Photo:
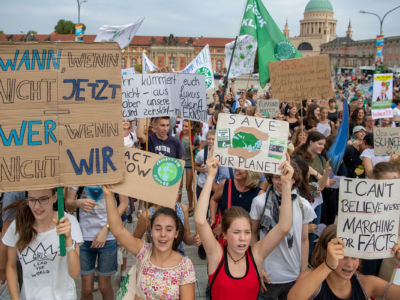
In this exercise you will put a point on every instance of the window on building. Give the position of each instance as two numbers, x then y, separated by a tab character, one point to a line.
305	46
219	66
172	62
134	62
123	63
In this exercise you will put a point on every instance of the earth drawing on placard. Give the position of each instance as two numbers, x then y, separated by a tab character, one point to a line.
167	171
247	142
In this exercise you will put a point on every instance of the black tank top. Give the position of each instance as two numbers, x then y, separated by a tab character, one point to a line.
357	291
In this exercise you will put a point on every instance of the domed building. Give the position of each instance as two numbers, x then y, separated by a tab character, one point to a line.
317	27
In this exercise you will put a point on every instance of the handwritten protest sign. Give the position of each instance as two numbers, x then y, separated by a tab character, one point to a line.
386	140
157	176
60	114
268	107
368	219
301	78
250	143
382	96
170	94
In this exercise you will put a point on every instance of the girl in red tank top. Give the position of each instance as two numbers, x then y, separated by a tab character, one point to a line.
224	286
233	269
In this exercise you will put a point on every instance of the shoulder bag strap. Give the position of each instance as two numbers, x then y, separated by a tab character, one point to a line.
229	193
146	257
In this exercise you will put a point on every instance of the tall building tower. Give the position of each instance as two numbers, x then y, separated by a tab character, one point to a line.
286	30
349	32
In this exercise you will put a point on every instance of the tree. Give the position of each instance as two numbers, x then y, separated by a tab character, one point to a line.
66	27
33	32
138	68
1	32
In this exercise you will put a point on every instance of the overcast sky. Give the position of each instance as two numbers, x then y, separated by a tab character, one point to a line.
211	18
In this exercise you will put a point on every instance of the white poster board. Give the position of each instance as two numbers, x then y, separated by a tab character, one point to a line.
382	96
251	143
268	108
164	94
368	218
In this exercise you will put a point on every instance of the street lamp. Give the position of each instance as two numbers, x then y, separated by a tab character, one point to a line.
380	19
79	9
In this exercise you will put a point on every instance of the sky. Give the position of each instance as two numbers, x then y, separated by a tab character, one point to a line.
208	18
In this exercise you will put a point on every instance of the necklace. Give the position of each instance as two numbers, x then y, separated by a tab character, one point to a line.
235	261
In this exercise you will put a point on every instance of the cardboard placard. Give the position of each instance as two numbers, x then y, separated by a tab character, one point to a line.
301	78
386	140
164	94
251	143
151	177
60	115
268	108
368	218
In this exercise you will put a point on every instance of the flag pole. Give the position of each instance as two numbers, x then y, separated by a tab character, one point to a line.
227	75
60	208
192	160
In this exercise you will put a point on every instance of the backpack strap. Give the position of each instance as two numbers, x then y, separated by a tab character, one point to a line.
301	206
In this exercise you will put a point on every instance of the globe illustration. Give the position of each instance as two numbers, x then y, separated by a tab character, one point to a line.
167	171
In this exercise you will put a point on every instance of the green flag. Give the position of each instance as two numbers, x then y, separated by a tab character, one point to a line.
272	44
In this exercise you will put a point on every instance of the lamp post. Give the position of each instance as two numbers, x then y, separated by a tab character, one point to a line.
380	19
79	9
379	68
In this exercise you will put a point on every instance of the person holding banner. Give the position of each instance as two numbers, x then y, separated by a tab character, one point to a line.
233	270
169	274
334	276
33	238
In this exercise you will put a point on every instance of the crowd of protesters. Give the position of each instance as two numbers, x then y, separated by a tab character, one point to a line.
265	236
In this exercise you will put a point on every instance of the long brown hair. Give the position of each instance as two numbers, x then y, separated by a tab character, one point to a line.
321	249
311	119
24	221
302	151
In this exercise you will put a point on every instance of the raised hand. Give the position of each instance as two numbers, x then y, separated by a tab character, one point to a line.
335	252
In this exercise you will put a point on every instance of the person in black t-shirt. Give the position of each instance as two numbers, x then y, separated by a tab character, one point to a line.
161	143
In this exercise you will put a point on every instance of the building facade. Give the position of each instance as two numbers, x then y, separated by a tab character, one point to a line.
176	52
345	52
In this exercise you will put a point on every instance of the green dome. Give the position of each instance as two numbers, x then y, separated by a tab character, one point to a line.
319	5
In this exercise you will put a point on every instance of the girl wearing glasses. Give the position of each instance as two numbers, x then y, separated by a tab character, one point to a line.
33	238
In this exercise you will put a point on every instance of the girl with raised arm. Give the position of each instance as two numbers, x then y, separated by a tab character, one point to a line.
169	275
335	276
233	269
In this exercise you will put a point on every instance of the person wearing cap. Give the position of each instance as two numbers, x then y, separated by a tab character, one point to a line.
354	148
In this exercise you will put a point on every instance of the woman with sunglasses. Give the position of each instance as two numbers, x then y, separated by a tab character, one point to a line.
33	237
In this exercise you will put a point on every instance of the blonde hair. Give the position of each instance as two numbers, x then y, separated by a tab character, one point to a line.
252	179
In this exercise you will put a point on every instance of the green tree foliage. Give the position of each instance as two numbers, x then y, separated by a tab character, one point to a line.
33	32
138	68
1	32
66	27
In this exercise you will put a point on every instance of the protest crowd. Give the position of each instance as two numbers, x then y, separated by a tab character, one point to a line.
265	236
312	215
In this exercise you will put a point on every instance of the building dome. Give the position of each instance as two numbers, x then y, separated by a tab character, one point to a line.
319	5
